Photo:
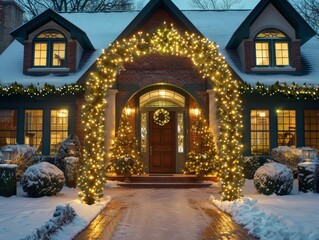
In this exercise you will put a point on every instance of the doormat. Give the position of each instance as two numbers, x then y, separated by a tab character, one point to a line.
164	175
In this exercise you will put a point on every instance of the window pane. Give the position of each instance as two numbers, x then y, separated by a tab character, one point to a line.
40	54
286	128
59	128
311	120
262	54
259	135
33	128
180	132
143	132
58	54
282	54
8	127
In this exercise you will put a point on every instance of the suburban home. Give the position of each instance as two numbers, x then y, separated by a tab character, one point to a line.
271	51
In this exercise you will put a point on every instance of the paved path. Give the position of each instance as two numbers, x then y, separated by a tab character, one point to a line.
162	214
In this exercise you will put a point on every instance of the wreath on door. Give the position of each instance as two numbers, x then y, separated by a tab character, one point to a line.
161	117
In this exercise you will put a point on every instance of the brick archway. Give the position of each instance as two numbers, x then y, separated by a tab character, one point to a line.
206	59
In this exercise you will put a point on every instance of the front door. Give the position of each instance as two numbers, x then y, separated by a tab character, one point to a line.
162	145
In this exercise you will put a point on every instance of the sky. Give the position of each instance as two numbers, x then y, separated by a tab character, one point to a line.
186	4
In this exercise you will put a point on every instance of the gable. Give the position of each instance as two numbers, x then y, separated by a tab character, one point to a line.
154	14
303	31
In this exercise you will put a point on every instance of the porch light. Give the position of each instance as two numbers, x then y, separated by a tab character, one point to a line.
196	112
7	154
309	155
71	149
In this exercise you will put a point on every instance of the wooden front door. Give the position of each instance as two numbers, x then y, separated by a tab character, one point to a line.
162	145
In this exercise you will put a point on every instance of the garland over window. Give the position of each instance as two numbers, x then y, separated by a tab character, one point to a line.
161	117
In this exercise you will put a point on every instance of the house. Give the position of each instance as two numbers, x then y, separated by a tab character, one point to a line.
271	51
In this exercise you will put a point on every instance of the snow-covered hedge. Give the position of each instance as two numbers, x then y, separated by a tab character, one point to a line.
64	150
289	156
251	164
274	178
42	179
62	215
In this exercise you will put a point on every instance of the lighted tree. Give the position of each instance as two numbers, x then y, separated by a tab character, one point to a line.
203	159
124	154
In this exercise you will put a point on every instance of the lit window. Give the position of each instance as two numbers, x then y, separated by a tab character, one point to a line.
49	50
272	49
59	128
8	127
33	128
311	119
259	135
143	132
180	132
286	128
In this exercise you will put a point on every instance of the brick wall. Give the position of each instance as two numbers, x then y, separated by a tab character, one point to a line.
249	55
27	63
79	130
71	55
296	55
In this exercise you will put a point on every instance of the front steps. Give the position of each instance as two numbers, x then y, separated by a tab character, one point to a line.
163	181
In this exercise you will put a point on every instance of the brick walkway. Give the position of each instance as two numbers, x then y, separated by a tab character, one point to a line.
219	224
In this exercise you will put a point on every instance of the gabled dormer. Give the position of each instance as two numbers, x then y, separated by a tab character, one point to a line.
52	44
270	38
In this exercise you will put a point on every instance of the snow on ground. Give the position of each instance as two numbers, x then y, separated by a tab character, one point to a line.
20	215
160	214
293	217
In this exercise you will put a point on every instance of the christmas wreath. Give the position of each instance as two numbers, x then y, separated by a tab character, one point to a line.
161	117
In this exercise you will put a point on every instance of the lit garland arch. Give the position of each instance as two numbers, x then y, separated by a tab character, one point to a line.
210	64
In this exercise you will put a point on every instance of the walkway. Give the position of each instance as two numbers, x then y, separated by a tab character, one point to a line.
162	214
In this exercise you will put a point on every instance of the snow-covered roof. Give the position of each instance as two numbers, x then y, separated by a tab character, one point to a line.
103	28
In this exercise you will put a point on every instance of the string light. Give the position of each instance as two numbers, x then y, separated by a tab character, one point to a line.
207	61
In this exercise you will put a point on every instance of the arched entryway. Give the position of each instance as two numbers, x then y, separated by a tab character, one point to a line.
206	59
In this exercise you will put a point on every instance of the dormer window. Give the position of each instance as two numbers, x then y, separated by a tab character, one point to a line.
272	49
49	50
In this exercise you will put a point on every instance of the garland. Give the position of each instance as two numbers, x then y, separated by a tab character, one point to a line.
305	92
16	89
161	117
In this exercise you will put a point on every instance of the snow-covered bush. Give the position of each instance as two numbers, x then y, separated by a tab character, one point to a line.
289	156
42	179
62	215
23	158
273	178
252	163
64	150
71	169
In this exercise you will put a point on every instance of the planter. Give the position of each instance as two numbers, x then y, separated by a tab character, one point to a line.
8	180
308	177
71	171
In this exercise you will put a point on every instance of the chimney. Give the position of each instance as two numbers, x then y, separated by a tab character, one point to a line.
11	17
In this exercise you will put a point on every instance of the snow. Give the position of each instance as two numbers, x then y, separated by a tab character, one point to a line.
293	216
27	214
108	26
8	166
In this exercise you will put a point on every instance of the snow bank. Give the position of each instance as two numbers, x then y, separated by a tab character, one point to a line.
273	217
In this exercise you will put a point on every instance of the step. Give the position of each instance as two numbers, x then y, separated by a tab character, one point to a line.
164	185
161	178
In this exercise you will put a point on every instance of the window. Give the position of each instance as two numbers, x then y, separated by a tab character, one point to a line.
272	49
8	127
143	132
259	135
311	119
49	49
59	128
180	132
286	128
33	128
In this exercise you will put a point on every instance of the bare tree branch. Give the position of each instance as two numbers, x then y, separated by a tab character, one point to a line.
309	9
215	4
34	7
